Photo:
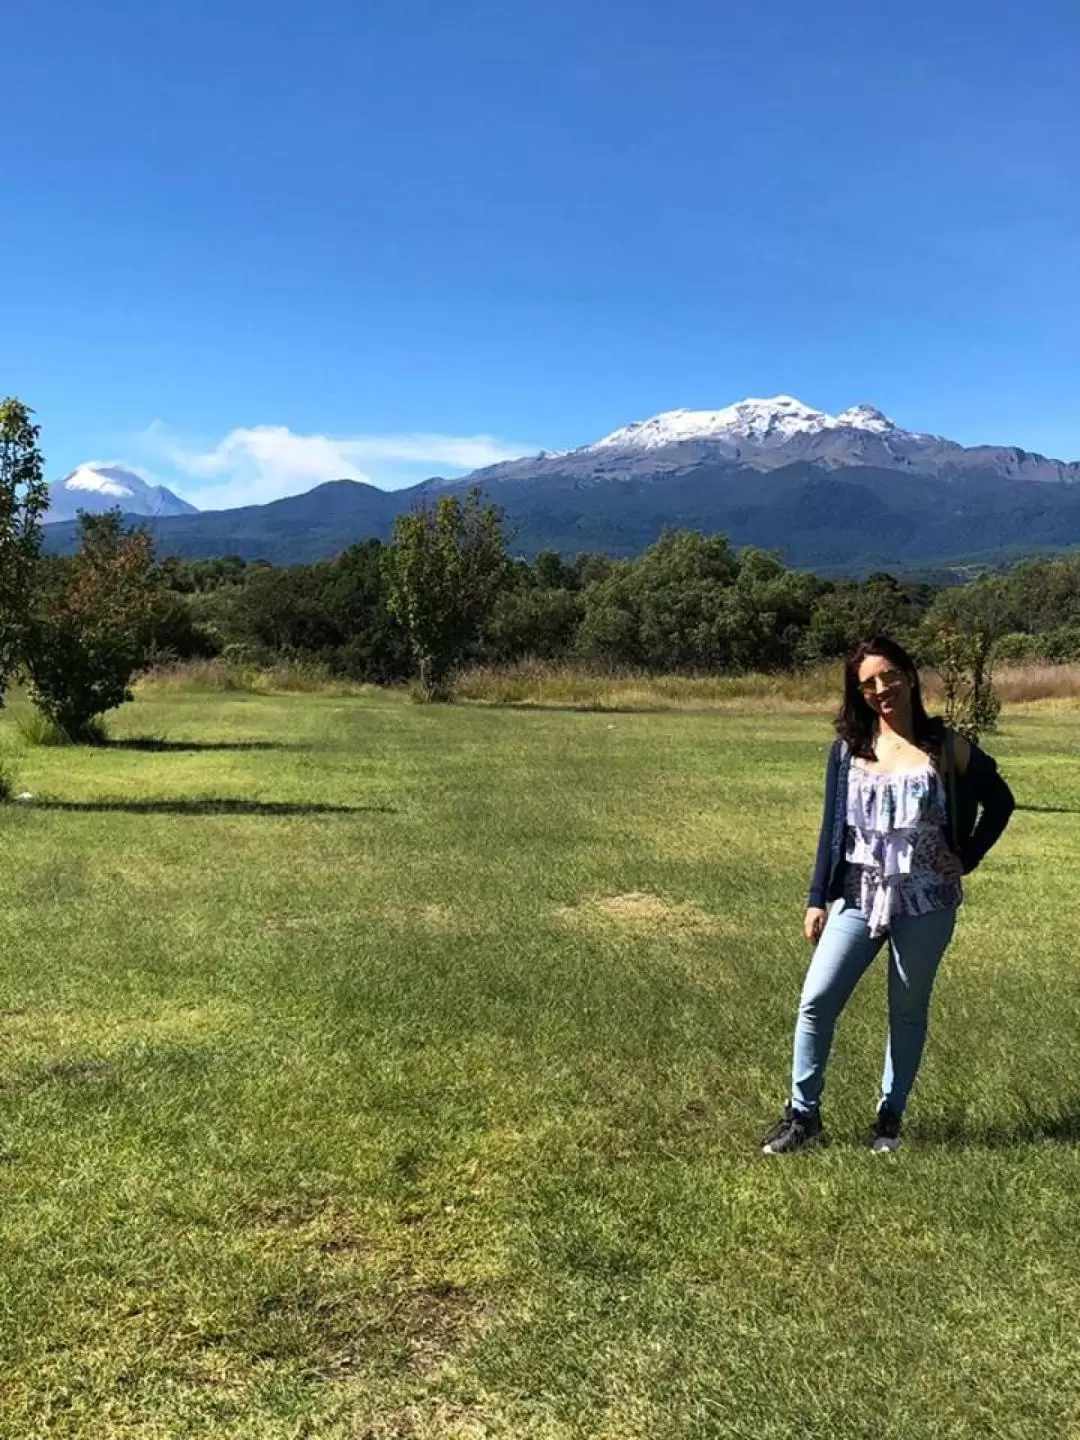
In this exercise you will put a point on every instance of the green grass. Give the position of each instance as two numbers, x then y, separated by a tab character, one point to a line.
428	1107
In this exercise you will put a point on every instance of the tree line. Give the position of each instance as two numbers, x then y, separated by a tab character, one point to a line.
447	592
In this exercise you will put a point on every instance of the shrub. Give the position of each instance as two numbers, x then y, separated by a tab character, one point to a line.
36	728
93	626
9	779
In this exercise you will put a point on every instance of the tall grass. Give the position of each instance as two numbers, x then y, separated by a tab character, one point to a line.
227	675
1022	684
566	686
570	687
34	728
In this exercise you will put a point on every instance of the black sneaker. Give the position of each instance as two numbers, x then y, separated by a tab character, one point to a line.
779	1128
795	1132
885	1136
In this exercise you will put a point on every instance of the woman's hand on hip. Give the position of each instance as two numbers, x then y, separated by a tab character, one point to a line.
949	865
814	924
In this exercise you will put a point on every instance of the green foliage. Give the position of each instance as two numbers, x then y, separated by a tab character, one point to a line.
92	625
961	630
9	778
37	729
1058	646
445	568
336	612
850	612
689	604
24	498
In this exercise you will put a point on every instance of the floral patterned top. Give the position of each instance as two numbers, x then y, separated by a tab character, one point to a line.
895	838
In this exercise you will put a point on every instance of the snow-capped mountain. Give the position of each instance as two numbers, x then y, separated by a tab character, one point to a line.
97	488
761	423
769	434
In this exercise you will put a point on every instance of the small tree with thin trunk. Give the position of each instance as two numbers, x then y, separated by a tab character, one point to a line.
24	499
961	629
93	624
445	566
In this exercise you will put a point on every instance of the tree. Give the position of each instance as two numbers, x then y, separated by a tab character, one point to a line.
660	612
445	567
285	610
961	629
92	625
849	612
24	499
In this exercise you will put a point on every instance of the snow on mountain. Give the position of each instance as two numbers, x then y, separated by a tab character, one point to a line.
97	488
770	434
762	423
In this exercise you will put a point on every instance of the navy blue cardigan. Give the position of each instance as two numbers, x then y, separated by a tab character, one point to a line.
983	805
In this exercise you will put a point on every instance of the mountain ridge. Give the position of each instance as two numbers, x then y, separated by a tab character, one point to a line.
846	492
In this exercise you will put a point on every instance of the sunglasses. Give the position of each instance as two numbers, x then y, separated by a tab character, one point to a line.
885	680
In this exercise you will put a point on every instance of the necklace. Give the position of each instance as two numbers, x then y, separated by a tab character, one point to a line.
891	746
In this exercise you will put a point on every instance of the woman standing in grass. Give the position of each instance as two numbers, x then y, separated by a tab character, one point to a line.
910	807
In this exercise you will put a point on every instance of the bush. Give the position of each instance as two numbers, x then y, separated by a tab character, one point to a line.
38	729
9	779
93	626
1016	648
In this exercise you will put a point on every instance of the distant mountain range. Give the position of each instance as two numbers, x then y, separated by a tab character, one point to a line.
839	493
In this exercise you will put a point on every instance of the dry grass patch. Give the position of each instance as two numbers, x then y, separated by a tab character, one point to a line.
1021	684
431	919
570	687
640	911
438	1421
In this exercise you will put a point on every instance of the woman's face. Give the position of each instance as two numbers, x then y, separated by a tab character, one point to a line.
885	687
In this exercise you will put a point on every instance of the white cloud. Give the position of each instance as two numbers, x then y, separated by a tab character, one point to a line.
257	463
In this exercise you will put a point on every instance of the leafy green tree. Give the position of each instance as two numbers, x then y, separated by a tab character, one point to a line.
960	632
532	622
285	611
690	604
445	567
849	611
372	644
765	614
659	612
92	626
24	499
1046	592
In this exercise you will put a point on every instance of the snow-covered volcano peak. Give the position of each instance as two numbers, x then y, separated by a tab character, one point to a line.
761	423
765	421
97	488
109	480
865	417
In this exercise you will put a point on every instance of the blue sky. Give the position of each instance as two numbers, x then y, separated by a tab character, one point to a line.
246	243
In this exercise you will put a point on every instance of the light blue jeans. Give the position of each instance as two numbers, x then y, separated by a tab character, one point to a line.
844	952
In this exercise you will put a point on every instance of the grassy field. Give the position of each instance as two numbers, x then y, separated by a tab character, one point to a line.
372	1070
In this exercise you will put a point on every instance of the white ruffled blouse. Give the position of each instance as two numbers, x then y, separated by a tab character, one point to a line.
896	827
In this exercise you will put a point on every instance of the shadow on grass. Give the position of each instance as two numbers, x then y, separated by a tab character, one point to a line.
1061	1129
1050	809
207	807
588	707
151	742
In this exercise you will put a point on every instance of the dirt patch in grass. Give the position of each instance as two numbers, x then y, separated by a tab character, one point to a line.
314	1225
643	912
442	1421
440	1319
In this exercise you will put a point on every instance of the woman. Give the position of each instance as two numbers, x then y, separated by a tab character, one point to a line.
902	795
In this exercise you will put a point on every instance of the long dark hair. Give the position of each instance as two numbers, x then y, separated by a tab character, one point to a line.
856	722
